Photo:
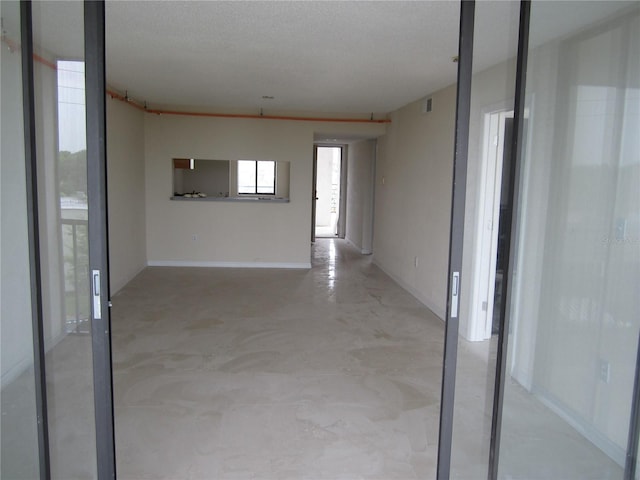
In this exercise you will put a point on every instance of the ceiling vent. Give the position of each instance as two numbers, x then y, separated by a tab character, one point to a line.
427	105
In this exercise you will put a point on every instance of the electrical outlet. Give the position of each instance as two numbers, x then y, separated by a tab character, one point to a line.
605	371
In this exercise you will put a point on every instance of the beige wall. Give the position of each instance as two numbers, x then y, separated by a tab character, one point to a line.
125	177
232	233
413	198
51	263
360	171
16	353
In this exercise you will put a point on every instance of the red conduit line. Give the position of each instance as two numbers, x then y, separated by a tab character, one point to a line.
45	62
127	100
16	46
267	117
122	98
134	104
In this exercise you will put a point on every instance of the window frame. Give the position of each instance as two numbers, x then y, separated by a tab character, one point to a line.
255	183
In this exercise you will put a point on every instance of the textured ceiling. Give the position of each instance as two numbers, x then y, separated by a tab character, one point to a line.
308	55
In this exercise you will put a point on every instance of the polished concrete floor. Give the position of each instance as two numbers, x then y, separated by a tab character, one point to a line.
322	374
327	373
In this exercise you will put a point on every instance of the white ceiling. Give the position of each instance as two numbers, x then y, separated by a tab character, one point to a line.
352	57
309	55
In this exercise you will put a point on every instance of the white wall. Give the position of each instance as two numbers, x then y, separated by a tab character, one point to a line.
414	168
360	178
225	232
125	177
15	287
46	99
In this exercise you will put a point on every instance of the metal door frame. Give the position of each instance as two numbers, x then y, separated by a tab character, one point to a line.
458	198
94	39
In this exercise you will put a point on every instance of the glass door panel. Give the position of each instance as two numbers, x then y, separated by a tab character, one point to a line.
495	41
575	314
58	32
19	452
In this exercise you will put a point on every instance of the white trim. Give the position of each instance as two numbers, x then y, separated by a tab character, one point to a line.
486	221
363	251
187	263
419	296
123	283
23	365
16	370
583	427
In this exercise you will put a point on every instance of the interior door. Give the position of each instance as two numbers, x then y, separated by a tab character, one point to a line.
68	139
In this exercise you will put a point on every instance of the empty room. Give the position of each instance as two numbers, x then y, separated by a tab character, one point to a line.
320	240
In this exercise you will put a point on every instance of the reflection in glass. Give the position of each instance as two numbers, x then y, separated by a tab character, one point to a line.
19	437
492	94
63	211
575	313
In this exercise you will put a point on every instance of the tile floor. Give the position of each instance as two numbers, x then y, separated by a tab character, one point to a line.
327	373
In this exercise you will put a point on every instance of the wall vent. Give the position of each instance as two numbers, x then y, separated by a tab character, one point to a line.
427	105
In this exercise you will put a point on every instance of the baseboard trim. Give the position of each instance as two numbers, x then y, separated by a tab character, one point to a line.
363	251
593	435
183	263
438	312
23	365
15	371
116	288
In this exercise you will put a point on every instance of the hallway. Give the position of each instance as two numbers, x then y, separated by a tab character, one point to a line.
332	372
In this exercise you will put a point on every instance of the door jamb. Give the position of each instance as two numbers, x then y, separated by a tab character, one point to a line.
31	169
481	307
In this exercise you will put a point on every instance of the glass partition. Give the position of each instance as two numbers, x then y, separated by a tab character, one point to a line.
59	70
488	163
575	310
19	455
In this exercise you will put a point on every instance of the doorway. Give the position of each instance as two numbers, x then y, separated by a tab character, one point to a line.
328	221
488	277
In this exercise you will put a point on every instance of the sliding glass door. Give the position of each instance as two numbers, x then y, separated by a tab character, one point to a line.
56	380
548	386
18	396
61	152
574	314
